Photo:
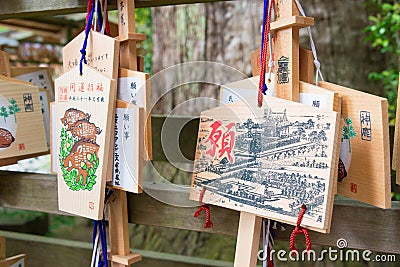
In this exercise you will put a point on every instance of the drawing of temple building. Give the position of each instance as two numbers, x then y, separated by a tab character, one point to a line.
275	156
276	124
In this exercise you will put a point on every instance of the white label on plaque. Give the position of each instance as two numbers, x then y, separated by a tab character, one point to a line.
132	90
39	79
125	175
245	89
46	115
314	100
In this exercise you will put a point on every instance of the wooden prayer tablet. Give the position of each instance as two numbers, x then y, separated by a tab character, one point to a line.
84	118
134	87
395	163
15	261
39	76
268	161
53	140
102	53
310	94
44	96
128	147
306	64
21	123
368	179
4	64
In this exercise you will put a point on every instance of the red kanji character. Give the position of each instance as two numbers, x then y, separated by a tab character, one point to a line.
228	141
81	88
100	87
21	146
214	137
62	93
91	205
353	187
72	87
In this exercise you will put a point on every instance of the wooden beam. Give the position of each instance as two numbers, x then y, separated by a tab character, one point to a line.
78	253
28	8
363	226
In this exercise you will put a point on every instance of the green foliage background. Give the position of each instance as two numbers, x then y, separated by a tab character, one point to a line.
384	34
144	24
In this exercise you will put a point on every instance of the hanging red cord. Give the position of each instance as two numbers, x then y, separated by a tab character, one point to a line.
89	7
107	23
206	208
300	230
264	55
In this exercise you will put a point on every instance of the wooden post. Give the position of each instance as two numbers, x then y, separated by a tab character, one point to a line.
2	248
396	157
306	57
118	208
248	234
126	25
287	67
307	71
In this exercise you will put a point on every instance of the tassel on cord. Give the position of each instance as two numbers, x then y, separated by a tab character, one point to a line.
206	208
300	230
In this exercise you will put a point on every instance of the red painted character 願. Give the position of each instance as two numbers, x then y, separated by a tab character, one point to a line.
222	142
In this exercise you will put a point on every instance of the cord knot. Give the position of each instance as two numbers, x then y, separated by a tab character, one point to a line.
206	209
317	64
300	230
83	53
270	63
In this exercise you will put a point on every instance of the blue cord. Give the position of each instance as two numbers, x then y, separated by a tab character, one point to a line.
99	17
266	3
87	30
100	226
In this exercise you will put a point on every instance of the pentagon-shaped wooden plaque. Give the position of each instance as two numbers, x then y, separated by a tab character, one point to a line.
84	118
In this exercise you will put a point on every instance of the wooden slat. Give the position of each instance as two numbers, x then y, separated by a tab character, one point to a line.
28	8
187	138
77	253
363	226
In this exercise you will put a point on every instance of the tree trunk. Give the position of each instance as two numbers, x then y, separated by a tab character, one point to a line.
340	39
227	32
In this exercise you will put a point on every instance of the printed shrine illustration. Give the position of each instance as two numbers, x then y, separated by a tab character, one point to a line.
268	161
8	112
79	150
21	123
